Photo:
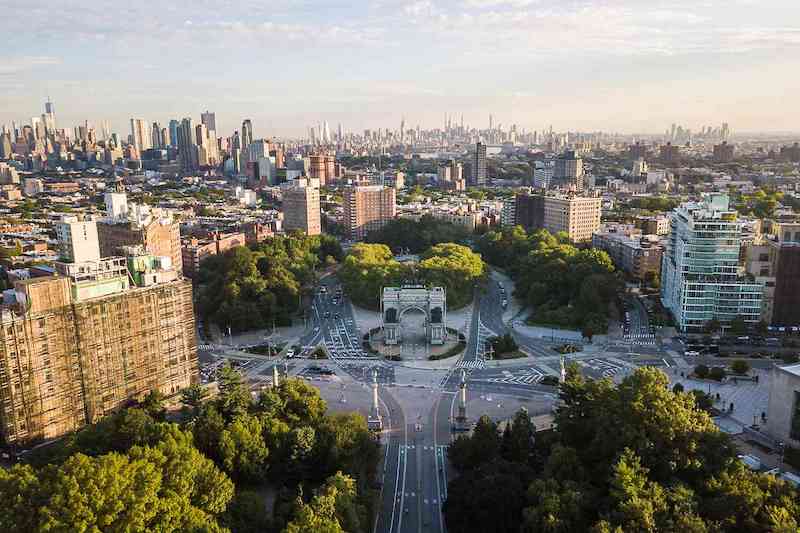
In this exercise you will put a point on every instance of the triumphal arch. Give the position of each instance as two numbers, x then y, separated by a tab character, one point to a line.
395	301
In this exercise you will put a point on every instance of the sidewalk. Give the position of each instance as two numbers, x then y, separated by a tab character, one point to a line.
749	399
258	336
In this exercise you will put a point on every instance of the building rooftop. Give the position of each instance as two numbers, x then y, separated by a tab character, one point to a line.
791	369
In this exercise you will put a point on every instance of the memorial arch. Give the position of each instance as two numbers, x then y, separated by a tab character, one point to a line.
395	301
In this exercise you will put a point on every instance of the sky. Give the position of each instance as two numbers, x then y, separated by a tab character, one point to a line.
634	66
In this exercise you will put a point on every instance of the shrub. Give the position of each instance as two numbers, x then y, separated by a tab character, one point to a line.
740	367
549	380
678	387
701	371
790	358
702	400
717	373
791	456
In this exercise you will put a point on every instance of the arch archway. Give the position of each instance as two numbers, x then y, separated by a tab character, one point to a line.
396	301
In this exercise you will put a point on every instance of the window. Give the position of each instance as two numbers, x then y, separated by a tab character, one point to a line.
794	429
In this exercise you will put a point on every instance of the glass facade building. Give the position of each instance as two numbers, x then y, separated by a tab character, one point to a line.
700	275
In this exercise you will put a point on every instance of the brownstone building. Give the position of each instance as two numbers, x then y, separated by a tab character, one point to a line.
195	250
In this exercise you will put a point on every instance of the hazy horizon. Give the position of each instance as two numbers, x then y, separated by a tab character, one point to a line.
580	65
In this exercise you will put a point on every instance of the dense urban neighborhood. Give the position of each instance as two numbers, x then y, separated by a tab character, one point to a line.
464	329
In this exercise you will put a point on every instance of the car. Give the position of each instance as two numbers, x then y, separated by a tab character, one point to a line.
753	463
504	303
338	315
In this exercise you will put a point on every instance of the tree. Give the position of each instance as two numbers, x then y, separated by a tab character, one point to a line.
662	465
489	498
701	371
153	405
482	447
455	267
517	441
652	279
169	487
242	448
716	373
677	388
192	397
738	326
712	326
234	397
703	401
740	367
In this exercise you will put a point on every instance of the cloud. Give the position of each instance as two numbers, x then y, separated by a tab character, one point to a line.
16	65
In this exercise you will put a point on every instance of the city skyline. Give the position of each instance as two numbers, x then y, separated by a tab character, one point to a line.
288	65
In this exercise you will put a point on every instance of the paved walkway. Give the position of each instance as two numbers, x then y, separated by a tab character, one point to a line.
749	399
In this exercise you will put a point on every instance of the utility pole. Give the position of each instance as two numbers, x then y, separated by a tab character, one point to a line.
275	380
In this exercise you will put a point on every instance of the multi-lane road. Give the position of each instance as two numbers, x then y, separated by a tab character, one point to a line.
418	414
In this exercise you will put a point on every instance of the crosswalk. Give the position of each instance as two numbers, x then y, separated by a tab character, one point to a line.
606	368
643	339
206	347
528	377
475	364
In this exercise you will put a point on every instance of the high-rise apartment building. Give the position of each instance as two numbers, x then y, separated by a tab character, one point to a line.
568	171
301	207
775	260
80	344
478	176
368	208
140	133
700	274
65	363
322	167
543	174
578	216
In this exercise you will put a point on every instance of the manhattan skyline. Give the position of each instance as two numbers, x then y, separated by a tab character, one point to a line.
611	65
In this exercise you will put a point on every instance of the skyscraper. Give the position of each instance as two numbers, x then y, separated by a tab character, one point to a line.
140	134
209	119
247	133
700	278
479	165
187	145
173	133
158	142
49	117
